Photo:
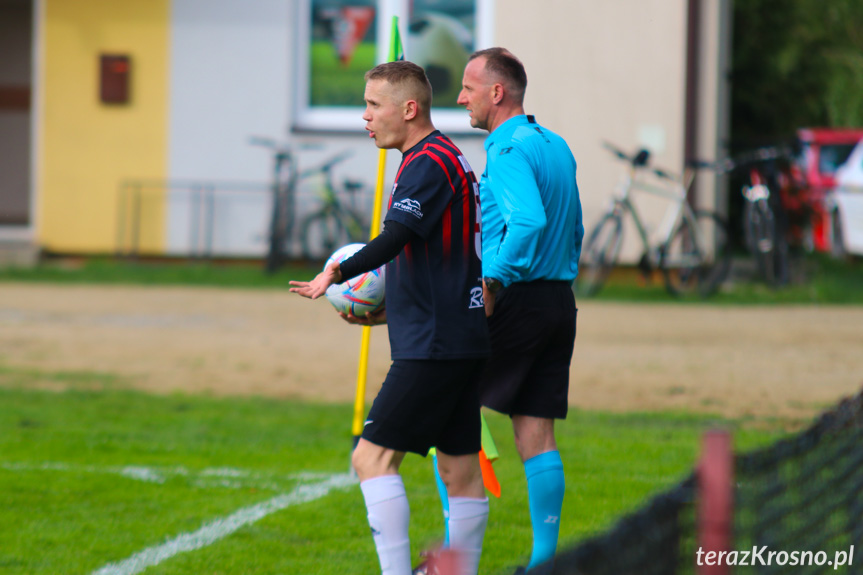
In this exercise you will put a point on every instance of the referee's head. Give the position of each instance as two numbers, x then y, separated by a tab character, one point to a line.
502	66
493	88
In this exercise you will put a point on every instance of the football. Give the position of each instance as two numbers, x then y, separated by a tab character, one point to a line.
359	295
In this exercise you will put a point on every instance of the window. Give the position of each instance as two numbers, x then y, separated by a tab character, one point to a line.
339	40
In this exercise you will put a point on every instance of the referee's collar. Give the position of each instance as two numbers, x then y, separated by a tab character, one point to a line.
506	129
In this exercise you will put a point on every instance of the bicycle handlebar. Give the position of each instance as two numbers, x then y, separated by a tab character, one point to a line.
640	161
726	165
265	142
328	165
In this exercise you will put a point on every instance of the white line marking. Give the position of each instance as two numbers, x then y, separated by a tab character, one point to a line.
212	532
224	477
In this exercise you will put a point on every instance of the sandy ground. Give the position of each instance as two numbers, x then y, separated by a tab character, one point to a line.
787	362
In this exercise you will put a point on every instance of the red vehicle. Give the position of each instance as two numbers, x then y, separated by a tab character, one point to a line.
822	150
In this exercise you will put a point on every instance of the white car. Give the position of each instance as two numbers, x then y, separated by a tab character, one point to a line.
845	203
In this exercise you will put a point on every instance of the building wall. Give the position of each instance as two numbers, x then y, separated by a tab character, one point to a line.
616	72
87	147
208	74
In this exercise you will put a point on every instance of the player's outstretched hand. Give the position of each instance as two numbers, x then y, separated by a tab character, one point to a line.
372	318
318	286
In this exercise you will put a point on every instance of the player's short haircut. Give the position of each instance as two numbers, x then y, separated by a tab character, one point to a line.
409	80
506	69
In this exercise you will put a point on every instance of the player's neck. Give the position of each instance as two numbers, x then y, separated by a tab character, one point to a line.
416	133
504	113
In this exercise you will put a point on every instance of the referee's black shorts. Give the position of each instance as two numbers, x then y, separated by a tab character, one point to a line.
428	403
532	338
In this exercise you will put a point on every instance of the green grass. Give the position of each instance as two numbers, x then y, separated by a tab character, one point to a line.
102	270
818	279
333	84
71	504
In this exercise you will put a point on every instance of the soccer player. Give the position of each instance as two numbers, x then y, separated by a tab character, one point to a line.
435	315
531	240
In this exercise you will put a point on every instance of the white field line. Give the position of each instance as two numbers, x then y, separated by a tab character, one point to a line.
212	532
225	477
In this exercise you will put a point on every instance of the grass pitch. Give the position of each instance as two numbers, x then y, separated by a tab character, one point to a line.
96	479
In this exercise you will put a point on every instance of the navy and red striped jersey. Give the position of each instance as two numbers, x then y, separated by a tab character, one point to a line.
434	286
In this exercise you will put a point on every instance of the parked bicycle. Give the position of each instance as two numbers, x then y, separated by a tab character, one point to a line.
764	218
335	223
283	186
321	232
692	251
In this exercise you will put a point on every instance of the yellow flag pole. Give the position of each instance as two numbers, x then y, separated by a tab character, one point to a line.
396	52
362	371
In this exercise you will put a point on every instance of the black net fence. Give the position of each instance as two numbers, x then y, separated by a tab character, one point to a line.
799	503
659	539
798	508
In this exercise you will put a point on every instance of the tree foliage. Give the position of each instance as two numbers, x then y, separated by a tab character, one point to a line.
795	63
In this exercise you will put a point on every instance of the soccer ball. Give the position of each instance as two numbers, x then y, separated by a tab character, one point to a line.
359	295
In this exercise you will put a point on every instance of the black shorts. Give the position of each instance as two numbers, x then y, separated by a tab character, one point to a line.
532	338
428	403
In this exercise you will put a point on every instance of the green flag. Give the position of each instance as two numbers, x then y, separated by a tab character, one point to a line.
397	50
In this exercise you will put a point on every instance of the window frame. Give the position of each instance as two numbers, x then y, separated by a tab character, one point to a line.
308	118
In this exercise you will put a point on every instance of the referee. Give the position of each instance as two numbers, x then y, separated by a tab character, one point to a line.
531	241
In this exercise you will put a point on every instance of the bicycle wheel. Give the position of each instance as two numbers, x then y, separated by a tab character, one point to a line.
696	260
765	239
280	230
322	234
599	254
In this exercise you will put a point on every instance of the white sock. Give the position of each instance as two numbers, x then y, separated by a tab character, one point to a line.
467	520
389	514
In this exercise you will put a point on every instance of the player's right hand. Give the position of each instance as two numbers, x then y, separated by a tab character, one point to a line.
370	319
318	286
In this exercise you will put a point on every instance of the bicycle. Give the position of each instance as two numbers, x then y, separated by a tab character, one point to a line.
692	251
765	225
333	226
283	188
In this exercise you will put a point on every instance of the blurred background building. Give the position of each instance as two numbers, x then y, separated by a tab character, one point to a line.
127	125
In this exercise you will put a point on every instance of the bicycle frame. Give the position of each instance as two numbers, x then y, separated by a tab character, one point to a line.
679	208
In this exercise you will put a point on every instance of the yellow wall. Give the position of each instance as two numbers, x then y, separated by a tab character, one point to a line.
88	148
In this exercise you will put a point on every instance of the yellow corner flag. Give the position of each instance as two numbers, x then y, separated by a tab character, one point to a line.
396	52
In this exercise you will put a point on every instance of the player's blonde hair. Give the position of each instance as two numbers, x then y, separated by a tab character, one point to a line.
410	83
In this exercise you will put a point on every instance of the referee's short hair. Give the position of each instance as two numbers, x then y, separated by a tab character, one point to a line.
409	80
506	68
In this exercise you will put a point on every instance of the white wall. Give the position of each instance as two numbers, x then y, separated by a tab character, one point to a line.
231	78
229	81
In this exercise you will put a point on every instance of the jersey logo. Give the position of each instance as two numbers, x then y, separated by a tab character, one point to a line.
505	151
464	165
475	298
410	206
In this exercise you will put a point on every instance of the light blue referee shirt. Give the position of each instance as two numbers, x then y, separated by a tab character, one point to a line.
531	212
